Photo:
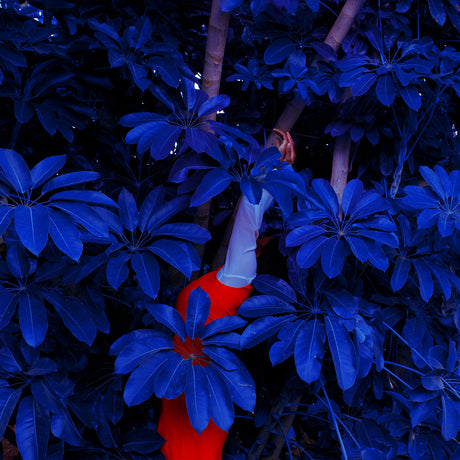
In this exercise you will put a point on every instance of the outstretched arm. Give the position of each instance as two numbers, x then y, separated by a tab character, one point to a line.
241	263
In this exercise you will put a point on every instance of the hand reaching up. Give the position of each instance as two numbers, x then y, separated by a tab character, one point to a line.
285	145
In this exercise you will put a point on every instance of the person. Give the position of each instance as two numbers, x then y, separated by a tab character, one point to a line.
227	288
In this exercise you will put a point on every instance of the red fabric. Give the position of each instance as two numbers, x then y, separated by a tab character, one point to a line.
182	441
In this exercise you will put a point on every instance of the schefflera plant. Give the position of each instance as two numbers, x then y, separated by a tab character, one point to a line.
189	357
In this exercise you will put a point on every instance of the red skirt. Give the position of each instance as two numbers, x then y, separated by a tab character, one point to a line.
182	442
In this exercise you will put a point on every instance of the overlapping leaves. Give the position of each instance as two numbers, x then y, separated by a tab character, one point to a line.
195	362
140	237
440	203
306	327
39	209
321	232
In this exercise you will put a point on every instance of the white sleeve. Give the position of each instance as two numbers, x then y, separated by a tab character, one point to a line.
240	266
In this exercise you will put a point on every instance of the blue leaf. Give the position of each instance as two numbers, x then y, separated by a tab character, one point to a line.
166	211
46	168
222	357
8	303
342	351
171	377
229	339
229	5
17	260
147	272
140	385
162	142
450	418
400	274
351	196
32	319
284	348
150	204
241	387
136	119
428	217
65	234
142	440
197	398
411	96
221	406
343	303
419	198
32	226
333	257
139	352
63	427
377	257
251	189
363	84
262	329
358	247
433	381
85	216
128	210
425	280
224	324
189	93
303	234
438	12
8	400
279	50
309	350
434	180
6	214
327	195
168	316
15	170
32	429
385	90
185	231
264	305
198	306
442	276
213	183
65	180
310	252
446	223
77	320
117	269
174	253
214	104
84	196
268	284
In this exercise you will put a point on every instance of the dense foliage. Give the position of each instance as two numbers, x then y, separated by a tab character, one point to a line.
349	346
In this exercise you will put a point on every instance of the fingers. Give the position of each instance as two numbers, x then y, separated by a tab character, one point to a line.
285	145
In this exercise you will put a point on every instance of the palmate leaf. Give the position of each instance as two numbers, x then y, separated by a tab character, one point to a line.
32	429
32	318
8	302
65	180
15	169
333	257
270	285
169	317
170	380
32	226
197	398
262	329
175	253
284	347
185	231
8	400
6	214
309	350
128	210
198	306
65	234
46	168
264	305
213	183
343	352
147	272
221	406
241	387
63	427
140	385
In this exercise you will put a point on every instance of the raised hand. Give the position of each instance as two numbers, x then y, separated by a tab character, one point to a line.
285	144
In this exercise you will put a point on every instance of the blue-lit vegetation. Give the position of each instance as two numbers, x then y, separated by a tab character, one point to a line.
349	346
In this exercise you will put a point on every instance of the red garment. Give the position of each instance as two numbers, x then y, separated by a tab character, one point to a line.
182	441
